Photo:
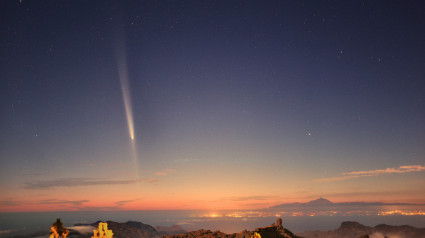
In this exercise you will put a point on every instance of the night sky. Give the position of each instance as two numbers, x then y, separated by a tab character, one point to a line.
231	104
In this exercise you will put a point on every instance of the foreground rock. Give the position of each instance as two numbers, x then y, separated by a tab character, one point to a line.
134	229
130	229
356	230
273	231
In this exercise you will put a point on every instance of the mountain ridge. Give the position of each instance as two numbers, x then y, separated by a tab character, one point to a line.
325	202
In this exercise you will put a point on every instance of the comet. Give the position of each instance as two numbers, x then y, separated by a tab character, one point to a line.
125	89
123	75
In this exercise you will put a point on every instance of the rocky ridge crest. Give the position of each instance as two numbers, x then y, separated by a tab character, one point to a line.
273	231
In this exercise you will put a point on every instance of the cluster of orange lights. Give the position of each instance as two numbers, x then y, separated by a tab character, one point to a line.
400	212
239	214
254	214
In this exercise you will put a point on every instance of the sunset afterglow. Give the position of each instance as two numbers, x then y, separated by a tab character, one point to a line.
227	107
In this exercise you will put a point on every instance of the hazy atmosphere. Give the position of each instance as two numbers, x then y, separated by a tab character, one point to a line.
164	105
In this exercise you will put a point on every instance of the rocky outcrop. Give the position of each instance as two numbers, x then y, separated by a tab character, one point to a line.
110	229
356	230
273	231
132	229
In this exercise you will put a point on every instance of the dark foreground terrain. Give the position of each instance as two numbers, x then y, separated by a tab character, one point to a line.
273	231
132	229
350	229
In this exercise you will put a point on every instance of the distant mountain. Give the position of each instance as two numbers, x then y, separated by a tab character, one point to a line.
313	203
321	202
351	229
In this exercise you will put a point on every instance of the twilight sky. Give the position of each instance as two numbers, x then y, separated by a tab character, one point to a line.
231	104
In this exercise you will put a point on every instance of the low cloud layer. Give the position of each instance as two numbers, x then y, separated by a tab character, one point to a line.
121	203
77	182
378	172
401	169
252	198
9	203
64	202
44	202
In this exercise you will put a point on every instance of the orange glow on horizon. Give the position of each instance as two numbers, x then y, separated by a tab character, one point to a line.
154	196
